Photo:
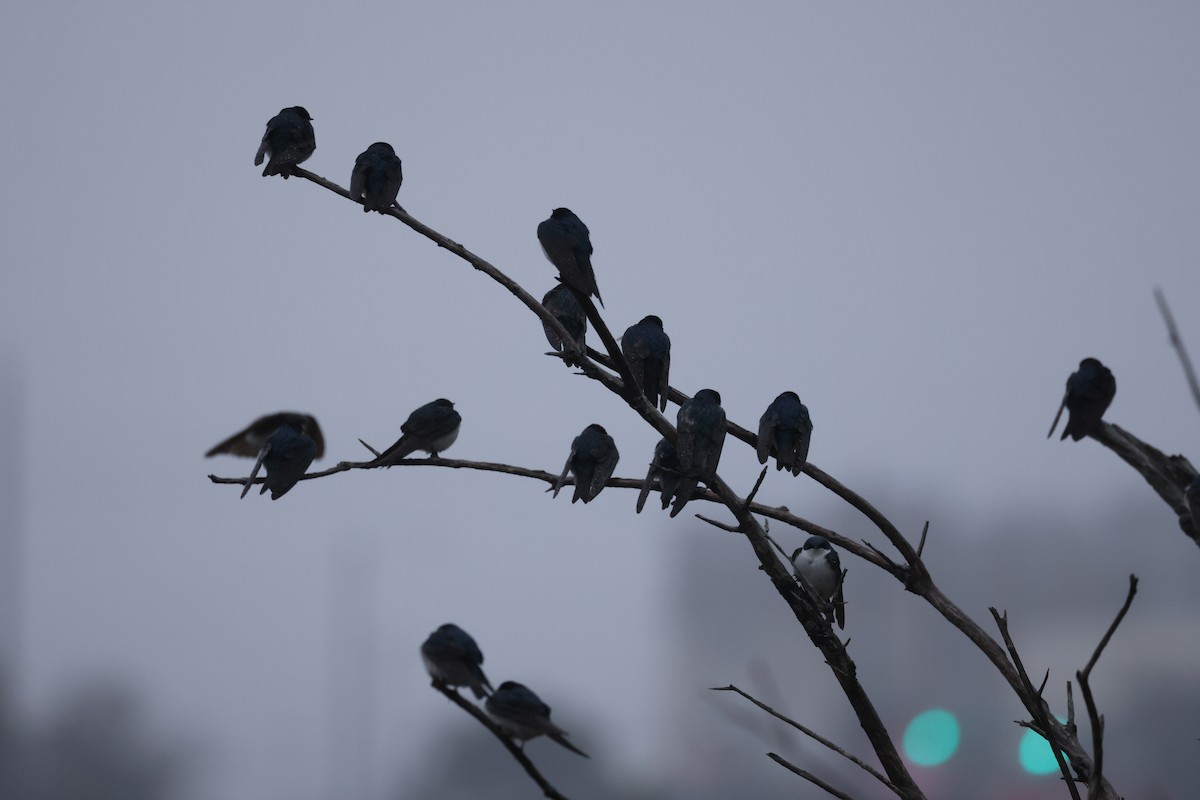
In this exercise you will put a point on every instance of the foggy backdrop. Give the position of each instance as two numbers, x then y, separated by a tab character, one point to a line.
918	217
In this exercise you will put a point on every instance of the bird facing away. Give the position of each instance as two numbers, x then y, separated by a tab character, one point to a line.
664	473
453	659
568	245
593	458
433	427
248	441
376	178
647	350
818	562
786	426
561	302
701	425
1089	391
522	715
285	455
289	139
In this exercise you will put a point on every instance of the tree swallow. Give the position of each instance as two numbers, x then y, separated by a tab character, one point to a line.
289	139
562	303
286	455
522	715
818	562
647	350
568	245
250	440
1089	391
376	178
453	659
433	427
701	425
786	426
593	458
664	472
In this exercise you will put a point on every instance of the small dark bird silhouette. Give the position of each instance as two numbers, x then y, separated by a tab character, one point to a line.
1089	392
376	178
568	245
786	426
522	715
248	441
701	425
593	458
289	139
433	427
647	350
664	472
818	562
562	303
286	456
453	659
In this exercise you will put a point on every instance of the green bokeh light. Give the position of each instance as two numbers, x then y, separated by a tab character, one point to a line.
1035	754
931	738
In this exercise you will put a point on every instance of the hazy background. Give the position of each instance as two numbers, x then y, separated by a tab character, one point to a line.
920	217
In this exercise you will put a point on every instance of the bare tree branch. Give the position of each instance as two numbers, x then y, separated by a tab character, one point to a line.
808	776
913	573
514	750
1040	714
1177	342
809	733
1169	476
1095	783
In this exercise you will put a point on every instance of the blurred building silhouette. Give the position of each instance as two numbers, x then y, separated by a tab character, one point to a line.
12	486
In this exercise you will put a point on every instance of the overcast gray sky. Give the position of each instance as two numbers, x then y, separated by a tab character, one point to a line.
920	217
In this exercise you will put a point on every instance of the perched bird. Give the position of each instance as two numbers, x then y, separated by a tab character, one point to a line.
248	441
522	715
701	425
289	139
818	562
664	472
561	302
453	659
568	245
376	178
286	455
433	427
786	426
1193	501
647	350
1089	391
593	458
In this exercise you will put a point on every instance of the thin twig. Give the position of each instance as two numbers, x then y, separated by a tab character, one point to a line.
809	733
808	776
920	544
1177	342
514	750
1096	719
1034	703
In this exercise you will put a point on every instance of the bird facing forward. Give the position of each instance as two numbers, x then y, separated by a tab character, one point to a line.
818	562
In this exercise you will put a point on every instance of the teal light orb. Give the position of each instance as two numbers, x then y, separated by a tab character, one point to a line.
1035	754
931	738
